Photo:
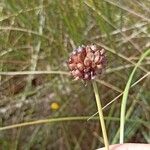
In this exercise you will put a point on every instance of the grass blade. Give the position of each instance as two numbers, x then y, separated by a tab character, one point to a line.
125	96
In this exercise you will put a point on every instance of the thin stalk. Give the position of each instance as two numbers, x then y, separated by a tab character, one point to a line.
125	96
101	117
64	119
113	100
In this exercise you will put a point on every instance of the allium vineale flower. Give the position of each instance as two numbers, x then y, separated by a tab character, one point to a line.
86	62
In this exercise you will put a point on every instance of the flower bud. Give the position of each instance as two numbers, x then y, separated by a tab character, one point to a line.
86	62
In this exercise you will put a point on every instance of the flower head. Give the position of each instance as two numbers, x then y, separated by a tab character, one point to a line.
54	106
86	62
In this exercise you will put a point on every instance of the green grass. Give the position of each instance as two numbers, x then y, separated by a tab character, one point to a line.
36	38
125	96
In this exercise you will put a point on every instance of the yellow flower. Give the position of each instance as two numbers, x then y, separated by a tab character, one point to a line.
54	106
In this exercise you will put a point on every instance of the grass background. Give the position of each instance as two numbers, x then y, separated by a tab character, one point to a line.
38	36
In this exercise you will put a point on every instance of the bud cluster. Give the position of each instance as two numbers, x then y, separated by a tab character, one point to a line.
86	62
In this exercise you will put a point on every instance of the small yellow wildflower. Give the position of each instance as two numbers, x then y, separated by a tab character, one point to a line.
54	106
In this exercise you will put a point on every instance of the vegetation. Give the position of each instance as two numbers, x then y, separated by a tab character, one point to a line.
41	106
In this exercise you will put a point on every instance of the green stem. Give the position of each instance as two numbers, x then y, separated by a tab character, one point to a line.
125	96
101	117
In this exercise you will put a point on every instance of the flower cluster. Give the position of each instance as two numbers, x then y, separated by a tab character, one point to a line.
86	62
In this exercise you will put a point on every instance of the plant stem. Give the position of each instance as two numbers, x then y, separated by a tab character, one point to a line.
125	96
101	117
65	119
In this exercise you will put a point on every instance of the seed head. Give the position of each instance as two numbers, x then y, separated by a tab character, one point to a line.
86	62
